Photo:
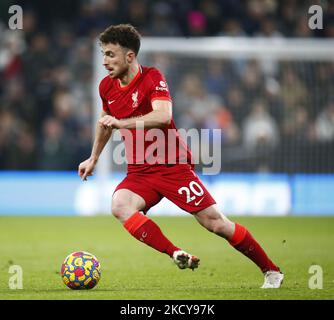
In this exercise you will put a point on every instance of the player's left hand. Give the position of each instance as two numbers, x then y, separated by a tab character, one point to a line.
109	122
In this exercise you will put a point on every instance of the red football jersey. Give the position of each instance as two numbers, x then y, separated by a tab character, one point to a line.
144	147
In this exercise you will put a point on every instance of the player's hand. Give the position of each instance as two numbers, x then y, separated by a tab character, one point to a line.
109	122
86	169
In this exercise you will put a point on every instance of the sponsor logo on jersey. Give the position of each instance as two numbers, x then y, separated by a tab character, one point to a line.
161	89
162	86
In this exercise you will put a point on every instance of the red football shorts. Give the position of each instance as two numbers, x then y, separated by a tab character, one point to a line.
178	183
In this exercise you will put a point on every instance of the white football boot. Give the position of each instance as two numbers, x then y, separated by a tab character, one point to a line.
185	260
272	280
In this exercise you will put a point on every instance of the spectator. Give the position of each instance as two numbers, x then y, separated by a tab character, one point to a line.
138	15
260	137
22	152
211	10
268	28
302	29
12	46
236	104
196	103
259	128
197	24
293	91
163	23
216	80
232	28
54	150
252	79
324	125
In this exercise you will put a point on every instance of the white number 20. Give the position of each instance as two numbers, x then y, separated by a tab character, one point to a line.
195	188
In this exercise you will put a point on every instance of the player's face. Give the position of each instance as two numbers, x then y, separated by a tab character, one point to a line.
115	59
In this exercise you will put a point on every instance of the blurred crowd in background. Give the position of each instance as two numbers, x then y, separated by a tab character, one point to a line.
280	120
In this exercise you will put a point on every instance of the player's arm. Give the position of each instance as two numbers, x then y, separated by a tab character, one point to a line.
102	136
159	117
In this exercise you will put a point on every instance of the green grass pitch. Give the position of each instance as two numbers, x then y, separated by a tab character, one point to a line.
131	270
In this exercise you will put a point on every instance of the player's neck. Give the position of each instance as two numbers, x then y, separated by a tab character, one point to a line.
129	76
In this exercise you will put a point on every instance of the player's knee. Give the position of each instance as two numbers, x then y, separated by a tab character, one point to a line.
120	211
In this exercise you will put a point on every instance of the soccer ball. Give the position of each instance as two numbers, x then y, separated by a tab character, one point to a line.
80	270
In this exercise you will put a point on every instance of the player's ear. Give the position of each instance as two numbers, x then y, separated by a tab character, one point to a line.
130	56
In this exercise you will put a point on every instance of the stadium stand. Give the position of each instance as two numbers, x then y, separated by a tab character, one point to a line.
46	76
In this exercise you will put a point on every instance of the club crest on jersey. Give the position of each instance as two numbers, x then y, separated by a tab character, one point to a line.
135	99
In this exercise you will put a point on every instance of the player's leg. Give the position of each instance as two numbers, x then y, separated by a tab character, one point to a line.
237	235
211	219
183	187
242	240
126	205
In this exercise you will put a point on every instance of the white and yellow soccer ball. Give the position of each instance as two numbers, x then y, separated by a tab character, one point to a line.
81	270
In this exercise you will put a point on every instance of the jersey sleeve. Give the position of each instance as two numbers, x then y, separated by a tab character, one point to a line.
104	100
159	88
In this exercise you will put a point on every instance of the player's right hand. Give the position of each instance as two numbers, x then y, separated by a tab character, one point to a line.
86	169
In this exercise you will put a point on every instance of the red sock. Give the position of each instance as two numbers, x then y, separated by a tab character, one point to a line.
243	241
145	230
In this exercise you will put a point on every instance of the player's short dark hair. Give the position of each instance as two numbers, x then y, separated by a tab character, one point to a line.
125	35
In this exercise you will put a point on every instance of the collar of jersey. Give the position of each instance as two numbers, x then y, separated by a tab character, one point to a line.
140	71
